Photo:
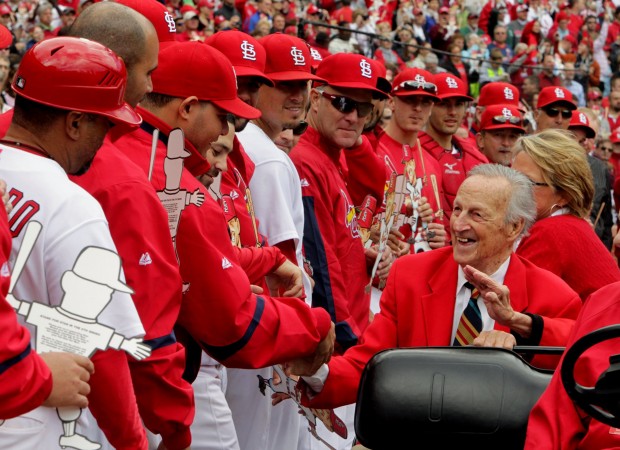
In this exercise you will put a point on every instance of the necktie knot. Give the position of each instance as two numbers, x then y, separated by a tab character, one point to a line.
475	293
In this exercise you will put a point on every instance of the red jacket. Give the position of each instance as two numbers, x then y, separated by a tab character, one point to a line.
25	379
555	422
332	240
233	325
417	310
165	400
455	166
568	246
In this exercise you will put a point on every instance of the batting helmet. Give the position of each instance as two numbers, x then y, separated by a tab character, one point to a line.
76	74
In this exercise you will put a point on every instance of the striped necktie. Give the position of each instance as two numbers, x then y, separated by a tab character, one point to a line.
470	324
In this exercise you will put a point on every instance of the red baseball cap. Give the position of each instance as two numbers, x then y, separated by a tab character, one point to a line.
206	3
316	57
158	15
414	82
499	117
498	92
444	10
312	9
561	16
351	71
245	53
580	120
383	84
555	94
6	37
4	9
615	136
522	8
570	38
207	74
187	8
449	86
288	58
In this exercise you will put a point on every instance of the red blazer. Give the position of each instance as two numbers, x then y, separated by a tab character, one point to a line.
417	310
555	422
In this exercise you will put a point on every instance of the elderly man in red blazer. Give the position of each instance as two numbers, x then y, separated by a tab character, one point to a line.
427	293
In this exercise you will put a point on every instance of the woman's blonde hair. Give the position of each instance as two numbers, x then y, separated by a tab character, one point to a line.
564	166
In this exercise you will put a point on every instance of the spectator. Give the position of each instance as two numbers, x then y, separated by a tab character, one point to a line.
588	70
228	10
343	42
613	114
385	54
264	11
515	27
575	88
431	62
472	25
443	30
529	89
562	240
547	76
500	37
493	70
454	64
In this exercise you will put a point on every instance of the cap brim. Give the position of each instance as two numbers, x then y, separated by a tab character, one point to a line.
570	105
590	133
405	93
125	115
243	71
293	75
121	287
355	85
465	98
504	126
238	108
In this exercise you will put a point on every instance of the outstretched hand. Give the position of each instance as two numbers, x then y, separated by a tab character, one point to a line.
309	365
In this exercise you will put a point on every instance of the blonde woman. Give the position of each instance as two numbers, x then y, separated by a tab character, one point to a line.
562	239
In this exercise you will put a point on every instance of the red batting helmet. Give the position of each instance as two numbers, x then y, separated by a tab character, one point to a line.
75	74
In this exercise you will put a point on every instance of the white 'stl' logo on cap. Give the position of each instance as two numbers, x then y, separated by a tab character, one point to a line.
298	57
582	118
451	82
170	21
248	51
508	94
559	93
315	54
506	112
366	68
419	78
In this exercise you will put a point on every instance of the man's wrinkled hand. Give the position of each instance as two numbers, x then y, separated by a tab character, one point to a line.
70	376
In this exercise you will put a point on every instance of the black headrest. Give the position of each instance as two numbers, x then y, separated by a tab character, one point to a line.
456	397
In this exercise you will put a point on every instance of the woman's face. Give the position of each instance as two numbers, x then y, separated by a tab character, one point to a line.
536	27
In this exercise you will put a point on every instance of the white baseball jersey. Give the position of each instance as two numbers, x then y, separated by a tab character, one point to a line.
276	193
71	221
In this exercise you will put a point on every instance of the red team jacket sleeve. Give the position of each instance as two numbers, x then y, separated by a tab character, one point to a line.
259	262
25	379
151	269
556	423
365	172
114	407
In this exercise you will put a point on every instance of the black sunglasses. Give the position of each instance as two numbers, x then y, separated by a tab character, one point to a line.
346	105
514	120
553	112
411	85
300	129
607	149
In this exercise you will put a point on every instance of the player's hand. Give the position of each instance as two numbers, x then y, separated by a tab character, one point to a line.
309	365
425	210
5	197
436	235
70	376
286	281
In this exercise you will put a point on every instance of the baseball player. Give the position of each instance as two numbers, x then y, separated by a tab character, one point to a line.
61	116
138	225
219	310
332	239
